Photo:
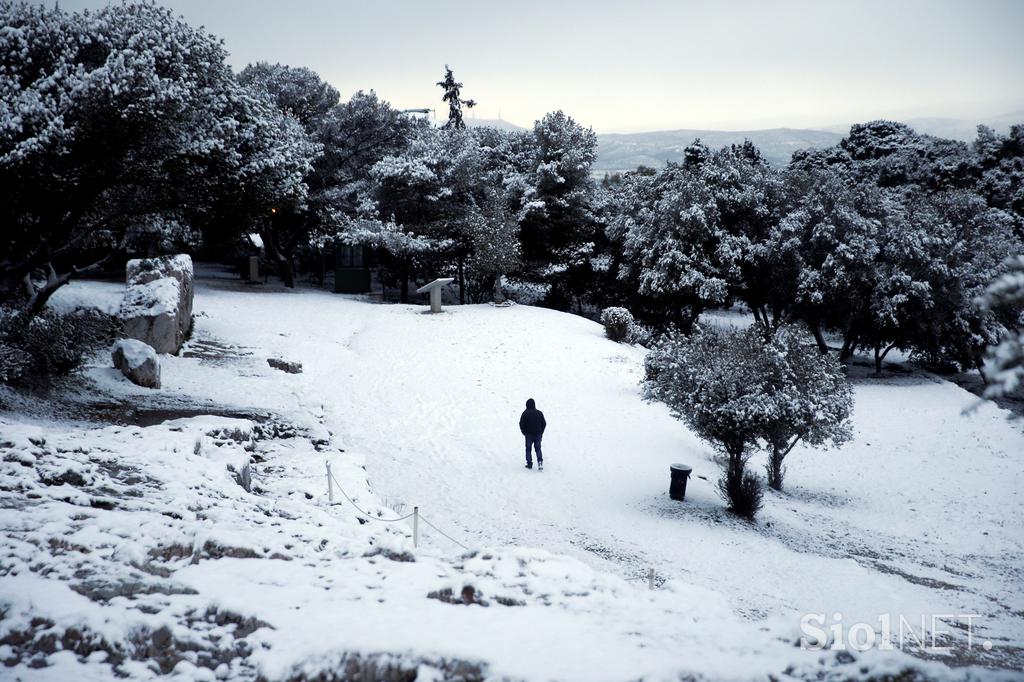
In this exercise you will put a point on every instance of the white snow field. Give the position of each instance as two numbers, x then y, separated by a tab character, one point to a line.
141	541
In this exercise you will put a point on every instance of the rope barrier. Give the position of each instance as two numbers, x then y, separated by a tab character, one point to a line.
415	515
443	533
367	514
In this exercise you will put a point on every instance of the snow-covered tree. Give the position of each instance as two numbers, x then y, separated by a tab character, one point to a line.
453	96
558	224
494	243
665	226
298	91
894	267
424	190
355	136
124	122
742	391
1001	161
892	154
455	186
704	234
1004	362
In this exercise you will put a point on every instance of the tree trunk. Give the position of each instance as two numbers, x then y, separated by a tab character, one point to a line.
39	297
775	470
499	294
880	356
284	264
403	282
818	337
756	311
735	468
849	344
462	279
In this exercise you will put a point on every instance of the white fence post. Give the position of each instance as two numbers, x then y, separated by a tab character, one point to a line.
330	485
415	526
650	578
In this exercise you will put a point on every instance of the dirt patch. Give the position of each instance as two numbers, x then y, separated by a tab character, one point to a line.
390	668
391	555
468	595
208	351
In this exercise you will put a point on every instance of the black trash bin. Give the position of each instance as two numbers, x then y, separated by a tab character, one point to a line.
677	489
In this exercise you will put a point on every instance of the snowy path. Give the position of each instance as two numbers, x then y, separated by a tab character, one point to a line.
918	516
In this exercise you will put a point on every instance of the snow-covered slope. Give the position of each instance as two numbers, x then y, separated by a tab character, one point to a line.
914	518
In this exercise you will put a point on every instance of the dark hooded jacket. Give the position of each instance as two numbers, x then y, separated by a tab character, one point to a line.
532	422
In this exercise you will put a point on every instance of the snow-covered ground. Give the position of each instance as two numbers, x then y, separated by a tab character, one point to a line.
917	517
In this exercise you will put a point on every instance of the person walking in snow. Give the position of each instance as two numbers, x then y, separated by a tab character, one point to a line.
532	425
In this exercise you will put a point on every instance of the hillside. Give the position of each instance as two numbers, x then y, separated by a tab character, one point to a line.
617	152
134	546
961	129
626	151
498	123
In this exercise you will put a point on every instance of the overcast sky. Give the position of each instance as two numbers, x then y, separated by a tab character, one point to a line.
646	64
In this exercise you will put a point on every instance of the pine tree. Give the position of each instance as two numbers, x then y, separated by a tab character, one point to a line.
453	96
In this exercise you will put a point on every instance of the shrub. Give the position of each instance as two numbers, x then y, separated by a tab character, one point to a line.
50	343
642	335
618	323
743	492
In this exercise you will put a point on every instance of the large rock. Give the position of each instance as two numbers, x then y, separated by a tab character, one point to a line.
144	270
137	361
157	307
150	314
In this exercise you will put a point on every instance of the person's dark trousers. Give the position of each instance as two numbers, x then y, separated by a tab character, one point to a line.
532	440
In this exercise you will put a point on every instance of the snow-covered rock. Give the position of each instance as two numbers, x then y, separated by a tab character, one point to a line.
149	301
143	270
285	365
150	314
137	361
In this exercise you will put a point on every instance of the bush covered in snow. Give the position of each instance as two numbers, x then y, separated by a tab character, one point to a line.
527	293
618	323
50	343
744	492
742	391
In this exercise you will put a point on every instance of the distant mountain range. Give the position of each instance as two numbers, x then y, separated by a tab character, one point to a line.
626	151
617	152
498	123
952	128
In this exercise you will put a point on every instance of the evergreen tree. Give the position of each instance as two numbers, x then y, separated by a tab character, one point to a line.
453	96
558	224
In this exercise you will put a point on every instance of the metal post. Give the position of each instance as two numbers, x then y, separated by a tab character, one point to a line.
650	578
415	526
330	485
